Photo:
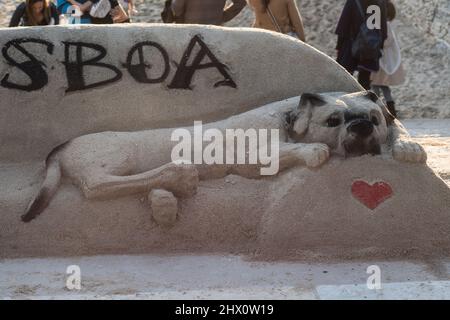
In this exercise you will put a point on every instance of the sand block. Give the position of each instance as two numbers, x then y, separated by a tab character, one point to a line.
367	205
60	82
348	208
164	207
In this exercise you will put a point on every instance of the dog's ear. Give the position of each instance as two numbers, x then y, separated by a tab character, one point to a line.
386	113
372	96
311	99
297	121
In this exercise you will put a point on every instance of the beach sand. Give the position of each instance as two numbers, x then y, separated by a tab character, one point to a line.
434	136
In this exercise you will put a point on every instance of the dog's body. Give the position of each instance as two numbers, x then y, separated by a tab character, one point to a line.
110	164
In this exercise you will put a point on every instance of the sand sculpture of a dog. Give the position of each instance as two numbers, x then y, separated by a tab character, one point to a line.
112	164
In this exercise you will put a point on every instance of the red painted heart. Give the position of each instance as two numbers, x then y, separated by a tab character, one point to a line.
371	195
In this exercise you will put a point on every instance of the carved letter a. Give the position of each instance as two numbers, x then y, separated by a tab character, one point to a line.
184	74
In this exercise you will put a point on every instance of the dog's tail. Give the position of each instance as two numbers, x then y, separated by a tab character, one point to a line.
49	186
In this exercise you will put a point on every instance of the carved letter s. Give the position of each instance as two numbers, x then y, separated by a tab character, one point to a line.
32	67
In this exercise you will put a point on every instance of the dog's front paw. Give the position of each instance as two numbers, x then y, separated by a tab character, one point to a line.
409	151
315	154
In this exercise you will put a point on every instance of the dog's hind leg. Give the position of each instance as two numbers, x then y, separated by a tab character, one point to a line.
182	180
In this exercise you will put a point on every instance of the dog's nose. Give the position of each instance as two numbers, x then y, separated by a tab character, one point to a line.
361	127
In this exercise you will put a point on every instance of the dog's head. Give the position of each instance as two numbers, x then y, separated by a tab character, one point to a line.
350	124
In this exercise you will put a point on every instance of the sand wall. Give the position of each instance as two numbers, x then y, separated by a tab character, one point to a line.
57	83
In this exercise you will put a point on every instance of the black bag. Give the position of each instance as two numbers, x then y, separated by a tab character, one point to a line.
368	42
167	14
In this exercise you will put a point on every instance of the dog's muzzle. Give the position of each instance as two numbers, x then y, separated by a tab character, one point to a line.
361	127
359	139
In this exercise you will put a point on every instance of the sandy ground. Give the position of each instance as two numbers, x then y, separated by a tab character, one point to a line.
427	61
434	135
219	277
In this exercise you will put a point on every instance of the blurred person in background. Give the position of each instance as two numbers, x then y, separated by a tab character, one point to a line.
353	19
71	7
93	11
35	13
213	12
391	71
278	15
128	6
